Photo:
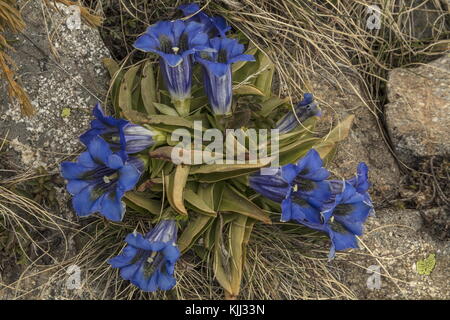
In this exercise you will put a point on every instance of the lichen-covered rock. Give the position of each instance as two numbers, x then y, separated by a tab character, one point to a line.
365	142
60	67
418	112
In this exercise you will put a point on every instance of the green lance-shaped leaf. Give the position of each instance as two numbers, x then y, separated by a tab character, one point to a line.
233	201
165	109
126	89
229	253
148	88
111	65
142	200
220	176
195	227
264	79
173	121
207	169
271	104
174	184
246	72
339	133
293	152
167	153
195	202
247	89
116	79
304	130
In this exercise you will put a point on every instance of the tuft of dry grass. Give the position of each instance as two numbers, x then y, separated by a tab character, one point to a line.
11	20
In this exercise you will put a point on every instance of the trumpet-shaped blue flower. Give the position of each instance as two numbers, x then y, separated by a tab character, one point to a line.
307	179
100	178
213	26
149	261
273	187
217	72
174	42
342	221
304	180
120	133
303	110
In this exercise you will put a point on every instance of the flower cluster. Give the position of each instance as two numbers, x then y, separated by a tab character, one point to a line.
201	39
120	153
338	208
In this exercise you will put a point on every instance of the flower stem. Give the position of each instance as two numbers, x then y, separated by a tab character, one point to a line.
183	106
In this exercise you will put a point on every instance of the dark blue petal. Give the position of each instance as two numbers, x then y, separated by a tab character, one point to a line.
189	8
165	281
352	216
128	177
128	272
75	186
302	210
241	57
112	206
125	258
84	201
171	59
289	172
310	167
138	241
72	170
171	253
315	192
146	43
99	150
286	210
343	240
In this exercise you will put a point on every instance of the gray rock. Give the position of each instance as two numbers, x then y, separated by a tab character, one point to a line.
339	99
418	112
60	66
61	70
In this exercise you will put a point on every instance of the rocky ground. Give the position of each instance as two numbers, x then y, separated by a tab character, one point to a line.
412	221
397	239
64	77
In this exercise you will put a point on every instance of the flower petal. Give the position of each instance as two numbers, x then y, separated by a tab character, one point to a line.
128	177
99	150
84	201
112	206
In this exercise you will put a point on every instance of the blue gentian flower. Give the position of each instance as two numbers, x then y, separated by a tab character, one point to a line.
273	187
175	42
149	261
213	26
304	109
342	222
100	178
307	179
217	71
121	134
362	184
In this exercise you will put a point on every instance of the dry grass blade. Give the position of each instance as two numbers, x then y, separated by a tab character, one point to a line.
11	20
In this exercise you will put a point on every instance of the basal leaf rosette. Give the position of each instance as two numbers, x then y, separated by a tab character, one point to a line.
203	91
